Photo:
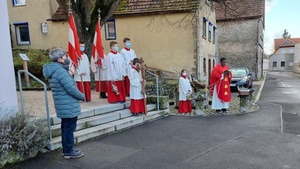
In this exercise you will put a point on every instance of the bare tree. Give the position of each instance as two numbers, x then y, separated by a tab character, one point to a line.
86	14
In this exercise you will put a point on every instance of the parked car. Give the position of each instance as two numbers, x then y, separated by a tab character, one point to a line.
241	77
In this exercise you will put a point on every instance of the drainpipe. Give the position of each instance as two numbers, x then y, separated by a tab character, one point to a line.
217	44
198	43
257	44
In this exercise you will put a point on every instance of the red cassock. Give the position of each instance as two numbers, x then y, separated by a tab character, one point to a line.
103	86
185	106
127	85
222	86
112	96
87	89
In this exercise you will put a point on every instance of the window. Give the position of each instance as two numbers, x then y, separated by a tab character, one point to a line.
291	50
274	64
110	30
204	66
214	34
291	64
214	63
19	2
22	33
204	27
282	64
282	51
209	30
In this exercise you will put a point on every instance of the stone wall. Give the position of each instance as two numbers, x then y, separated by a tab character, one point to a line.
165	87
238	44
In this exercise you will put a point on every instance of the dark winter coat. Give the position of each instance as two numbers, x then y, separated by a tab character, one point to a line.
66	96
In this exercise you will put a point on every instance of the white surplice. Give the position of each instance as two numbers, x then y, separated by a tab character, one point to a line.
128	56
135	85
83	67
103	70
184	88
115	67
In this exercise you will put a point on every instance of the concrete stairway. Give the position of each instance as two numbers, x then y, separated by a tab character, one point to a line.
103	120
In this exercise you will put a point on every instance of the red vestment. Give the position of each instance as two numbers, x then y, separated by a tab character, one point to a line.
222	86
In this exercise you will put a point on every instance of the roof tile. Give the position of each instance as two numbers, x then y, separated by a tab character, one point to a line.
238	9
127	7
288	42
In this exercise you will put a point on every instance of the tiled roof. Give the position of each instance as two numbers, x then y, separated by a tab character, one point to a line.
59	15
240	9
138	7
289	42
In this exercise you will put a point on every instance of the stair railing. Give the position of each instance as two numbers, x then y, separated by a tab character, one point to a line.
157	91
46	97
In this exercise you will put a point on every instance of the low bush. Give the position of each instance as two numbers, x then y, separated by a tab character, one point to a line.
21	137
37	58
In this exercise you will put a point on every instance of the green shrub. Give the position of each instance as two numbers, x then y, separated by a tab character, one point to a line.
37	58
21	137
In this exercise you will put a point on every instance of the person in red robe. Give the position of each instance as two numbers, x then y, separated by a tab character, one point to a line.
185	91
220	86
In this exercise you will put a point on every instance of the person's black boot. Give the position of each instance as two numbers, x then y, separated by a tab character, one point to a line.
103	95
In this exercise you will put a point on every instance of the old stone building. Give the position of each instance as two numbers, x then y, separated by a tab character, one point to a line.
241	26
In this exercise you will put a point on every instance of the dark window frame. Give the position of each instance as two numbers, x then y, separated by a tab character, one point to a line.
107	36
204	28
18	25
14	2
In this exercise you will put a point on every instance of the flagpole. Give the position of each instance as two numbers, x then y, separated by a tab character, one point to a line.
82	85
99	18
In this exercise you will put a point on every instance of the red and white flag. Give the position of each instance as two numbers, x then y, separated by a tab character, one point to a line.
97	49
73	46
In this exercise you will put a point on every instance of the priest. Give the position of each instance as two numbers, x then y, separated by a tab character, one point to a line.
220	87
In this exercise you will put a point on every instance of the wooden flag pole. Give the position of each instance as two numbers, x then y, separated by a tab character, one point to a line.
99	83
82	85
99	17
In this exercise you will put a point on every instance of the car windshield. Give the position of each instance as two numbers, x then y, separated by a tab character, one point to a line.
238	72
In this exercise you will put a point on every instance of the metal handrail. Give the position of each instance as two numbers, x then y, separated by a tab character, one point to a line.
46	97
157	92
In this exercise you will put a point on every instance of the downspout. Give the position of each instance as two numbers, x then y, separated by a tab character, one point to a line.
217	44
257	44
198	43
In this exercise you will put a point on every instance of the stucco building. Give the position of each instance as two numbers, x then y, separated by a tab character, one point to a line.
169	35
29	26
241	39
283	57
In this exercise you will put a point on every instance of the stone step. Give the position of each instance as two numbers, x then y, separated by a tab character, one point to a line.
96	110
98	119
107	128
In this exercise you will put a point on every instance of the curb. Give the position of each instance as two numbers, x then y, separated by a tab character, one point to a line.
260	90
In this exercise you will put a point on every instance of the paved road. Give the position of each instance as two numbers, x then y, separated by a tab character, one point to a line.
283	88
249	141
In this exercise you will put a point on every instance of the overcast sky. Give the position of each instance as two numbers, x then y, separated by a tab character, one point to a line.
280	15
